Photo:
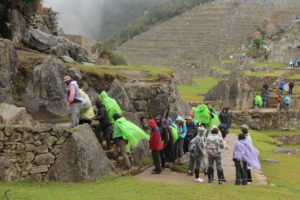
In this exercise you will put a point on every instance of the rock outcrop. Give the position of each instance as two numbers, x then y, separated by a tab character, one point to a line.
46	92
8	70
39	40
17	25
81	159
12	115
234	92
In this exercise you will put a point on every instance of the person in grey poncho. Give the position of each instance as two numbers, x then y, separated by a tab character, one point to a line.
196	149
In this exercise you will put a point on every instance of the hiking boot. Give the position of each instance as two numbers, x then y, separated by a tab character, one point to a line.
190	173
200	180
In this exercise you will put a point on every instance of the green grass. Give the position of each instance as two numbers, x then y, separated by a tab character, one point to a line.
197	91
295	76
264	74
151	73
274	65
228	62
220	69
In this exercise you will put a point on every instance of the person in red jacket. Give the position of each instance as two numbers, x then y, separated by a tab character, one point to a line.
155	145
279	102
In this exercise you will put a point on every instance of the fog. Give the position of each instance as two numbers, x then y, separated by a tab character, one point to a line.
78	16
88	17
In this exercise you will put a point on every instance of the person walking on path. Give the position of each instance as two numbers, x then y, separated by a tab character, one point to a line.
291	87
74	100
214	144
279	102
182	131
244	155
245	131
155	145
281	86
226	120
196	149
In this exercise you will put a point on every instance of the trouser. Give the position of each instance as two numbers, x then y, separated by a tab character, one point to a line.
249	177
291	91
278	106
240	172
176	149
211	160
195	162
169	152
121	150
180	147
162	158
156	161
105	133
75	113
85	121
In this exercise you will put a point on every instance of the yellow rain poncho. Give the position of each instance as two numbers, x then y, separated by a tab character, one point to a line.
86	111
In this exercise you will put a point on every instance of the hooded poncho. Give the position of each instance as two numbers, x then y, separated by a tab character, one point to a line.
258	101
129	131
202	115
245	151
111	105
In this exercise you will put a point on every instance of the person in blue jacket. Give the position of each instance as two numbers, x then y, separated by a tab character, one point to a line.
182	131
281	86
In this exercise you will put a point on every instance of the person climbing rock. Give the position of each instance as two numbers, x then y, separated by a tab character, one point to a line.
182	131
74	100
279	102
196	149
281	86
155	145
291	87
127	137
192	130
86	112
245	155
105	129
213	146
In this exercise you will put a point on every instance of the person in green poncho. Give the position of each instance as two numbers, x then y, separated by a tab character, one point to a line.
111	106
208	118
126	136
258	102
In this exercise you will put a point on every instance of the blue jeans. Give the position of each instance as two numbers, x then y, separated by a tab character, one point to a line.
75	113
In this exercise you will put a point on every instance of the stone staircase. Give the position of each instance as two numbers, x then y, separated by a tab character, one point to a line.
207	30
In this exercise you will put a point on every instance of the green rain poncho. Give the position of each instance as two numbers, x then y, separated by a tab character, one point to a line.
111	105
130	132
258	101
174	133
201	114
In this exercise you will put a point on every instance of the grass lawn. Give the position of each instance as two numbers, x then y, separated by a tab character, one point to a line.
265	74
220	69
197	91
274	65
295	76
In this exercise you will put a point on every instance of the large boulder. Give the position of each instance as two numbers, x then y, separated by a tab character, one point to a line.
12	115
39	40
67	48
46	92
140	91
81	158
118	92
158	105
8	69
17	25
8	171
234	92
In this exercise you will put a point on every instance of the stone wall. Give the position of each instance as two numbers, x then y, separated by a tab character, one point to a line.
28	153
266	120
47	152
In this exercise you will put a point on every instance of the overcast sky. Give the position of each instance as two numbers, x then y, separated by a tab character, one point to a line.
77	16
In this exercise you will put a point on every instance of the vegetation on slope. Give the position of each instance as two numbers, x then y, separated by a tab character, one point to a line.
166	10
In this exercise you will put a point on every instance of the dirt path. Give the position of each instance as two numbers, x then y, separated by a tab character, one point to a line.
168	176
